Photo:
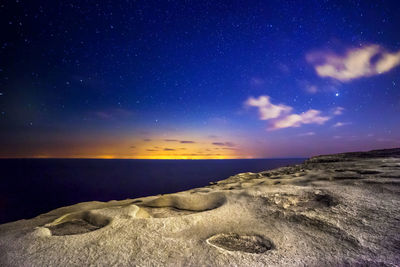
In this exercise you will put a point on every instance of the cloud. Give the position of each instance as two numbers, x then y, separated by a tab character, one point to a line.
338	111
296	120
200	154
360	62
146	140
228	144
180	141
280	115
266	109
340	124
169	149
322	86
311	89
307	134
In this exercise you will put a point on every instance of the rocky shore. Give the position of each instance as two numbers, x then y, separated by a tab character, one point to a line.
341	209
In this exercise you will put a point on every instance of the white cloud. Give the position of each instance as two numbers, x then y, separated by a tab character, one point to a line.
338	111
388	62
281	116
296	120
266	109
356	63
340	124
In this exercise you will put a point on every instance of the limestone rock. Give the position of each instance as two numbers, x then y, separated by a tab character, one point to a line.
339	209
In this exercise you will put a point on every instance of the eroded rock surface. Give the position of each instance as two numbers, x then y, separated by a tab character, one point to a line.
244	243
339	209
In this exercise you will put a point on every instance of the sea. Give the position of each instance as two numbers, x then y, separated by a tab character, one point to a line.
29	187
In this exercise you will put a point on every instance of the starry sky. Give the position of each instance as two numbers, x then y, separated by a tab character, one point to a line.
198	79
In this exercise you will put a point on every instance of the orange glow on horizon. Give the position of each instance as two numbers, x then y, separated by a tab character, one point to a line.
172	157
160	147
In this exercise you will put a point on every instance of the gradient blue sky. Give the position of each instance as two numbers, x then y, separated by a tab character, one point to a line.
198	79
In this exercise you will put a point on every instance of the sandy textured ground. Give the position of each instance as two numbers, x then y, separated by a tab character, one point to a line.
337	210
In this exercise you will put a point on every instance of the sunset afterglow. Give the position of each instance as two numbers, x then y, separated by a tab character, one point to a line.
290	80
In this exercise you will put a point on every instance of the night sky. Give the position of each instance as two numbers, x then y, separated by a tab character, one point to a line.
198	79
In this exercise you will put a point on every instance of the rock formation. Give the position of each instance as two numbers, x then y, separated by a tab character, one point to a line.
339	209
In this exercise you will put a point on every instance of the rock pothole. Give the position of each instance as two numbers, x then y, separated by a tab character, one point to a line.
245	243
177	205
73	228
305	201
78	223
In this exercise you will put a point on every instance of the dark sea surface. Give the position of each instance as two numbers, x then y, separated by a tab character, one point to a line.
29	187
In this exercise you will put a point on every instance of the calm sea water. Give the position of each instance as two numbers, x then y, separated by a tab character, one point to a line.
29	187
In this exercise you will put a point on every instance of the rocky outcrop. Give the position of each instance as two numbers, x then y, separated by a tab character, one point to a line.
331	210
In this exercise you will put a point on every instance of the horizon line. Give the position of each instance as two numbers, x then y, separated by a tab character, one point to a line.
289	157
